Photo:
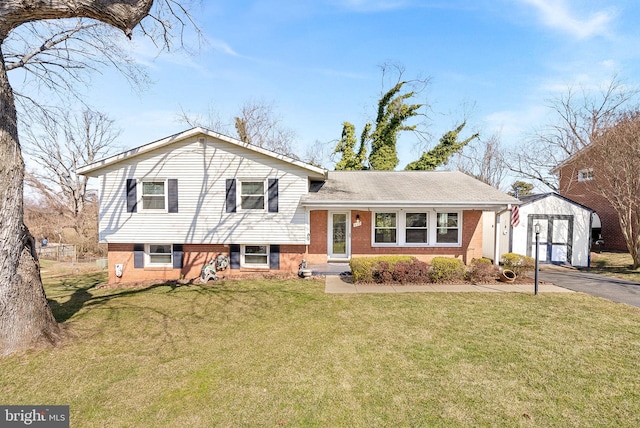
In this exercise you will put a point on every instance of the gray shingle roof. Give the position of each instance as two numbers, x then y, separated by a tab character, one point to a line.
405	188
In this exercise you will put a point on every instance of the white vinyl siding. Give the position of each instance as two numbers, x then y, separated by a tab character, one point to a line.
202	171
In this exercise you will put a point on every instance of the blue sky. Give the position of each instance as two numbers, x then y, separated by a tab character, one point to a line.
317	62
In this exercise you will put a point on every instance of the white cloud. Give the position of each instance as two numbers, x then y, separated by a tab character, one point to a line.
557	14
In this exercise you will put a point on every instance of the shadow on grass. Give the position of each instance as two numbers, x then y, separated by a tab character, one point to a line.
625	273
85	294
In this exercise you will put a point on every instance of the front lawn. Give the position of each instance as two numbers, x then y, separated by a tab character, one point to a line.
283	353
617	265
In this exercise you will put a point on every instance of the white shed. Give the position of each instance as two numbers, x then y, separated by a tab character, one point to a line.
565	229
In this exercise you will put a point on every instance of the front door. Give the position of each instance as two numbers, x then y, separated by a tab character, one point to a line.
555	238
338	236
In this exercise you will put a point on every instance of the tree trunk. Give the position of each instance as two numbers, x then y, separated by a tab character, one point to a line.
25	317
26	320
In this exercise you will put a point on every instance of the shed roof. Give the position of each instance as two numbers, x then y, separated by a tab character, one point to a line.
529	199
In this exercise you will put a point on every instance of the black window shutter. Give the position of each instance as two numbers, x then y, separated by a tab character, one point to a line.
172	187
177	256
138	256
231	195
234	255
274	257
132	198
273	195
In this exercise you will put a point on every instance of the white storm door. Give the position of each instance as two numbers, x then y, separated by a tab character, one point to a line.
339	245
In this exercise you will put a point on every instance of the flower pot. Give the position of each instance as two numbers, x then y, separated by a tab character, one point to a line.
507	276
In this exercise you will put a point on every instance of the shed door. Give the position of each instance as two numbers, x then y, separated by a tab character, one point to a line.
556	237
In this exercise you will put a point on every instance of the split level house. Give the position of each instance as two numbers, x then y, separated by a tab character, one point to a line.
168	207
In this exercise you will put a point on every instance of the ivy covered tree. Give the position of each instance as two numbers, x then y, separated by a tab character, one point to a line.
393	113
350	161
440	154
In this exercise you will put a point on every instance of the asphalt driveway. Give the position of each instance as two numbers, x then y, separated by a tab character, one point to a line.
617	290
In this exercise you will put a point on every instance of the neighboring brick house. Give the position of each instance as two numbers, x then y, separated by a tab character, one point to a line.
168	207
578	181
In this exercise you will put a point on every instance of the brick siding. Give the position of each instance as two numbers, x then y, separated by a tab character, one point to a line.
195	256
585	193
361	239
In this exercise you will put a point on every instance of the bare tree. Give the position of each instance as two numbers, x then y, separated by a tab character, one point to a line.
615	159
25	317
483	160
257	123
59	148
579	117
57	57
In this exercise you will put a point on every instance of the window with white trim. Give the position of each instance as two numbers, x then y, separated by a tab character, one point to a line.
256	256
252	195
160	255
385	228
447	230
585	174
416	228
154	194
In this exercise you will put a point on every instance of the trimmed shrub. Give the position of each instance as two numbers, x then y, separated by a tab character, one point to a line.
411	272
482	271
518	263
445	269
363	269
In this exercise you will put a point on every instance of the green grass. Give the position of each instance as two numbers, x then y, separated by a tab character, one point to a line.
283	353
617	265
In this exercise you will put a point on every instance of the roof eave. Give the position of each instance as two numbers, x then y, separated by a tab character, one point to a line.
366	205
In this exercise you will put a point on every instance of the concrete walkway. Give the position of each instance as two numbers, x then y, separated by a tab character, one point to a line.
342	284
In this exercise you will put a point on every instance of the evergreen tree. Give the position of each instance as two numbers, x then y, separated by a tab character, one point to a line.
440	154
520	188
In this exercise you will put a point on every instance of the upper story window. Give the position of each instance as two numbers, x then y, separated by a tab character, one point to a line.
252	195
153	195
585	174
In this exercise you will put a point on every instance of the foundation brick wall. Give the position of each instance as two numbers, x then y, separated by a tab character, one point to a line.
195	256
319	222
